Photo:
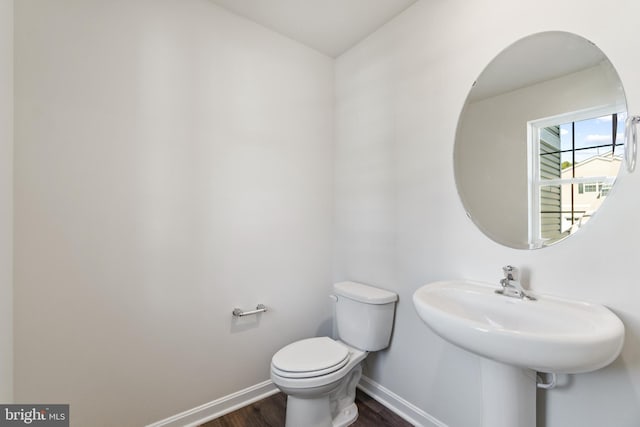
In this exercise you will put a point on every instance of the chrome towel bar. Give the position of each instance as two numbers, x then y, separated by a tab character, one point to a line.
631	142
260	308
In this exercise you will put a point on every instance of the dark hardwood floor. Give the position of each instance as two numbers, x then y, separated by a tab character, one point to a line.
270	412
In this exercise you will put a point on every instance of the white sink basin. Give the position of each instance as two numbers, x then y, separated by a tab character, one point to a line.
547	335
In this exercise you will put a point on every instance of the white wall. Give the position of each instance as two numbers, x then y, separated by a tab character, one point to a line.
400	224
173	161
6	200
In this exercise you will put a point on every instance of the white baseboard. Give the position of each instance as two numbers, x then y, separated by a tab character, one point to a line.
406	410
219	407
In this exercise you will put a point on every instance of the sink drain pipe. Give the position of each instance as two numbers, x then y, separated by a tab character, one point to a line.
550	384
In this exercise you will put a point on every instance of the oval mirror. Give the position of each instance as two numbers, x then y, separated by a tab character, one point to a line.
540	140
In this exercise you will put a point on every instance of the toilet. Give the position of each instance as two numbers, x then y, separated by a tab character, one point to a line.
319	375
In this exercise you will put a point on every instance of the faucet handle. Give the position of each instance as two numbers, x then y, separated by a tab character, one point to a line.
510	272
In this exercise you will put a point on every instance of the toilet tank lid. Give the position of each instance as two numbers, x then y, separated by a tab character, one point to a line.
364	293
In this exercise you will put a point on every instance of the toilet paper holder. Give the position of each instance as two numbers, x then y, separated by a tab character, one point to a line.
260	308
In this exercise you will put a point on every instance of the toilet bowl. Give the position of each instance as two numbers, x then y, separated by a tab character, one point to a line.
316	375
319	375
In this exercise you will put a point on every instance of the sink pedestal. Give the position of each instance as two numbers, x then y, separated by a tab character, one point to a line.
508	395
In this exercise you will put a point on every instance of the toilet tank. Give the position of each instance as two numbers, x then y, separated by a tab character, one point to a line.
364	315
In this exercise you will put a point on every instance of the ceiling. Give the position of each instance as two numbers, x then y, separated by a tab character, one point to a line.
329	26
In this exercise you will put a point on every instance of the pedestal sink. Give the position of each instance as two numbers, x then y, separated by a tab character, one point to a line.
517	337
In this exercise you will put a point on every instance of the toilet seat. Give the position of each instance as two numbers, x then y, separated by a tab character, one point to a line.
303	382
308	358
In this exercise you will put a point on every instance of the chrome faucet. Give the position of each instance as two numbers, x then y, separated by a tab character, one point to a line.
511	286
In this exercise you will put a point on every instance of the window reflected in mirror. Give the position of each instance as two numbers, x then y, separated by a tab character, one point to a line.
575	159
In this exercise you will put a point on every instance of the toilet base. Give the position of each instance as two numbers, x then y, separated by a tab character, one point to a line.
308	412
346	417
316	413
329	406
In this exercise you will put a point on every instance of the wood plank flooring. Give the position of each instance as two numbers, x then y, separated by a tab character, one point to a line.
270	412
